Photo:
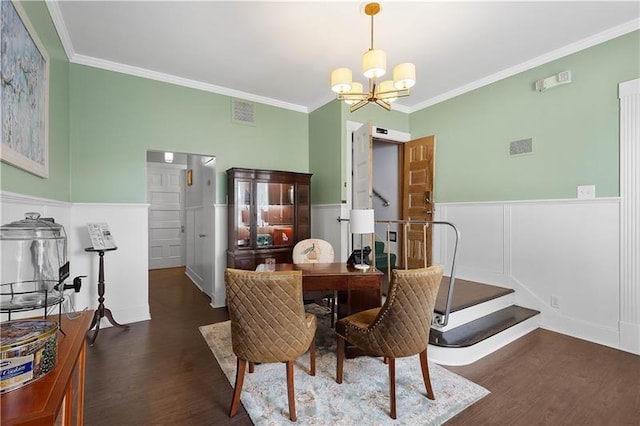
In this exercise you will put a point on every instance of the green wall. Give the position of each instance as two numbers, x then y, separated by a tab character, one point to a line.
116	118
56	187
379	116
328	143
325	153
101	124
575	130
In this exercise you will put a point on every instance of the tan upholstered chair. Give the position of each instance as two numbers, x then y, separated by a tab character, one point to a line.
399	328
268	324
314	250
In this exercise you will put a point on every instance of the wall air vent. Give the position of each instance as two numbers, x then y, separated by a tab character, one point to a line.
520	147
243	112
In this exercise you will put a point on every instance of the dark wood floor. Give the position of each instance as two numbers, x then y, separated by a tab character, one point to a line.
466	293
162	372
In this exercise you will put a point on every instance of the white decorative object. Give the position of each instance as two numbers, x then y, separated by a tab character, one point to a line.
362	222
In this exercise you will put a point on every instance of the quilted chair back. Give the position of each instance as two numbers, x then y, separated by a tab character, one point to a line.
313	250
268	322
402	325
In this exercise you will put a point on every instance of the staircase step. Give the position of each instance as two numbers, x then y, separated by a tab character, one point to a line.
466	294
482	328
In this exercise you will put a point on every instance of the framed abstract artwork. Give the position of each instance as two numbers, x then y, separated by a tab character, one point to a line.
24	92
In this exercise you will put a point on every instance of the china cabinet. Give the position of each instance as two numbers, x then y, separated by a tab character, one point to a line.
268	213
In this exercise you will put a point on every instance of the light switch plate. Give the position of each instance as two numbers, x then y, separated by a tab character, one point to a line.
586	192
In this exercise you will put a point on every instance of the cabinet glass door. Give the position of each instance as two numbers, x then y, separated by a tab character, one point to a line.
243	213
275	225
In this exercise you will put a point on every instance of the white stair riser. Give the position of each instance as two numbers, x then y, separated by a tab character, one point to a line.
474	312
467	355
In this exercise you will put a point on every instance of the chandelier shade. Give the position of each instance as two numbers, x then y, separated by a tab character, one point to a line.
374	63
388	91
354	95
374	66
341	80
404	76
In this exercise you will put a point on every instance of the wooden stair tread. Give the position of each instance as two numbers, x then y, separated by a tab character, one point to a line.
467	293
482	328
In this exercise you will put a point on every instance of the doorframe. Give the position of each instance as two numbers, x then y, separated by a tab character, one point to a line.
384	133
211	217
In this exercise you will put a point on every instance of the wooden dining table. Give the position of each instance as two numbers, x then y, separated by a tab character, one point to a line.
357	289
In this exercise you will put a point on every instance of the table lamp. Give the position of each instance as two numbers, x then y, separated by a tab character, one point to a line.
362	222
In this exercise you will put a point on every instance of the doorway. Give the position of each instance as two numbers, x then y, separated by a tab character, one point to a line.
181	196
398	186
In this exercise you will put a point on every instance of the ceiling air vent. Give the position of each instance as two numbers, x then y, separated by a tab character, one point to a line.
243	112
522	146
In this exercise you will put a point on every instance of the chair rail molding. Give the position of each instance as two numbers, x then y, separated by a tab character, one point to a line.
629	94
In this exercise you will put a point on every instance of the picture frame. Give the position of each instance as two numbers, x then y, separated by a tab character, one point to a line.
189	177
24	93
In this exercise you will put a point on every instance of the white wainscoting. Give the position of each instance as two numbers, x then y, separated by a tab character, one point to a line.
568	249
126	269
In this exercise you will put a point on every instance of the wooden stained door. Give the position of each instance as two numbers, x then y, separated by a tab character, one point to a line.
417	195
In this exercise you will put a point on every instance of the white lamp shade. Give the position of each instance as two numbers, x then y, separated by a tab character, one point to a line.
387	91
341	80
374	63
362	221
404	76
354	95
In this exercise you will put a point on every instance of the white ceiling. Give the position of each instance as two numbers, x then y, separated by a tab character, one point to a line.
282	53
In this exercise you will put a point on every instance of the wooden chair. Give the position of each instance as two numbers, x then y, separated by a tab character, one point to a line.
314	250
400	328
268	324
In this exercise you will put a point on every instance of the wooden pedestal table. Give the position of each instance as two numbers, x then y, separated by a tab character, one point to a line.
101	311
52	396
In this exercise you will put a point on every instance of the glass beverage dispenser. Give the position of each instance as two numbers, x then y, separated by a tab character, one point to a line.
34	264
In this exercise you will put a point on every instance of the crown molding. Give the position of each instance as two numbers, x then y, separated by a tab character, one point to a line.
172	79
540	60
61	28
58	21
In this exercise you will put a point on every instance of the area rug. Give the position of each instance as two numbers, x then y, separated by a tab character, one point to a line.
363	396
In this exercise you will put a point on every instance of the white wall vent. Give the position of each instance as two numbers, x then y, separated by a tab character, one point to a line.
243	112
522	146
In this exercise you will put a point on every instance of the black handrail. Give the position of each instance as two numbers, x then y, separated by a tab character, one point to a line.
438	320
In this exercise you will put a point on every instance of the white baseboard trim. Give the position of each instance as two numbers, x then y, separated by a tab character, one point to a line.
630	337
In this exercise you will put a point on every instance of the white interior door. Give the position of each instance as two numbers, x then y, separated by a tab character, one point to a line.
362	167
165	194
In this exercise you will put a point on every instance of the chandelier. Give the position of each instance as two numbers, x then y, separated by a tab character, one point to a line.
374	64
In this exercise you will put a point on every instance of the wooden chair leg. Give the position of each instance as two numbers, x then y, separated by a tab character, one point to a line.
392	386
291	392
425	374
312	356
240	369
252	367
340	357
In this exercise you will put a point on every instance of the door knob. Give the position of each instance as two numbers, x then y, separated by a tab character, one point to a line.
202	235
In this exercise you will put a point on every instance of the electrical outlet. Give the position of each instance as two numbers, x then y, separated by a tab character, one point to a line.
555	302
586	192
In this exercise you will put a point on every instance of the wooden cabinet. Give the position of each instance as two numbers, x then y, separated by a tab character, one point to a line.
268	213
57	397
